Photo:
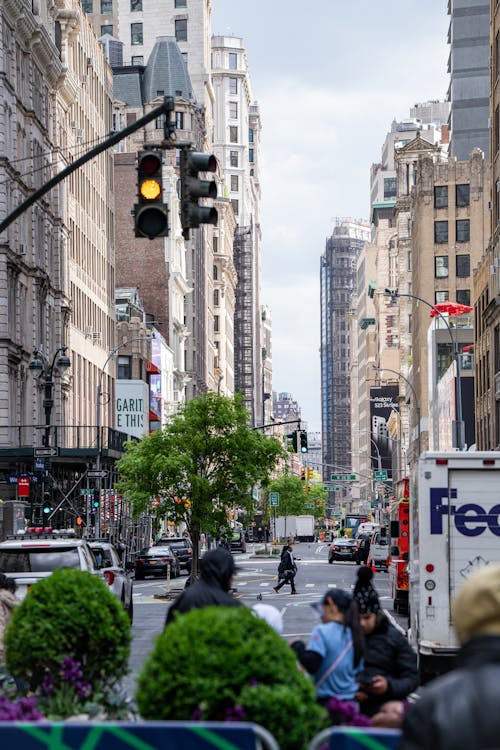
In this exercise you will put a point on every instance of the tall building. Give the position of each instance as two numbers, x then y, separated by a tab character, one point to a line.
236	144
338	284
285	407
469	68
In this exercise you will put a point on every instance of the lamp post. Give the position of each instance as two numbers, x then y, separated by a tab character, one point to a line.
459	428
41	364
112	353
417	407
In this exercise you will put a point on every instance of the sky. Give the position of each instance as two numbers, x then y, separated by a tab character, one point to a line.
330	76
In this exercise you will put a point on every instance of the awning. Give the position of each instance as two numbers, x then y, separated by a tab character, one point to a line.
153	416
152	368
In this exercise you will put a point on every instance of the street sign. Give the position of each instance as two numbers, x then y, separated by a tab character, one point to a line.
40	464
337	489
381	474
97	473
86	491
326	487
343	477
40	452
274	499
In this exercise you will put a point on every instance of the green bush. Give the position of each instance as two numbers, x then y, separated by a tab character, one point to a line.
220	663
70	613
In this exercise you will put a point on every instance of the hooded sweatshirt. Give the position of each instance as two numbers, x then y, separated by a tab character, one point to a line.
216	570
8	601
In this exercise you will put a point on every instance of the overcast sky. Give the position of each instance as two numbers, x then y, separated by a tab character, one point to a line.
329	77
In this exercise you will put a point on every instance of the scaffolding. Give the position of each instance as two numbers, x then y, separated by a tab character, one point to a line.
244	335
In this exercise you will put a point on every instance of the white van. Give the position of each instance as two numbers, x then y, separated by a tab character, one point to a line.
379	549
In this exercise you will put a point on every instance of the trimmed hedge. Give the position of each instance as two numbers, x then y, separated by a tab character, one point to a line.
71	613
223	663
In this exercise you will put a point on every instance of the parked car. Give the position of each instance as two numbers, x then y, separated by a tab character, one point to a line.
27	558
237	543
155	561
118	578
343	549
181	547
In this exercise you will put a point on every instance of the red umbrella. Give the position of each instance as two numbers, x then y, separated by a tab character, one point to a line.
452	308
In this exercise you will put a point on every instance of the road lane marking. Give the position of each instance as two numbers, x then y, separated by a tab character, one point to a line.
310	585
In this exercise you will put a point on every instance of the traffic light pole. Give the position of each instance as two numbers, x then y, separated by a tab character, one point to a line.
164	109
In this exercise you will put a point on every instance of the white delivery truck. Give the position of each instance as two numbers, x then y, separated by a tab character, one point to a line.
285	526
454	529
304	531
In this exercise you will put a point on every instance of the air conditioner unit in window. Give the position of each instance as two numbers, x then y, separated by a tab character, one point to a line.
85	80
73	124
80	133
22	249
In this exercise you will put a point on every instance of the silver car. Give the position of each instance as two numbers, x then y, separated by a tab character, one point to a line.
26	558
118	578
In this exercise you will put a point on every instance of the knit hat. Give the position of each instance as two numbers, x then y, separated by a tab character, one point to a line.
476	607
364	593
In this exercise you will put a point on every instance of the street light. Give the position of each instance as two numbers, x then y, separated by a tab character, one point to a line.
41	364
459	431
417	407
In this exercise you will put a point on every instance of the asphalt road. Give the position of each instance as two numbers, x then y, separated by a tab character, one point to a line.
254	582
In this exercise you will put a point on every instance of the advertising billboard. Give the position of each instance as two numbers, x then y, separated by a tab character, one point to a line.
132	407
383	401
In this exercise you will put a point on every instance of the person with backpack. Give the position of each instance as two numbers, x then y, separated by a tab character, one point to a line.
287	570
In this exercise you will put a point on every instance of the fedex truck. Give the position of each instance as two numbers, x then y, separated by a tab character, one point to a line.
454	529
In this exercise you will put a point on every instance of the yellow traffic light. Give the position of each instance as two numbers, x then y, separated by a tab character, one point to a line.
303	474
150	189
309	472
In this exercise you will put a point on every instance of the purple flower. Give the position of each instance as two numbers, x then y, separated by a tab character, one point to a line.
342	712
253	683
197	714
71	670
47	684
83	689
235	713
361	721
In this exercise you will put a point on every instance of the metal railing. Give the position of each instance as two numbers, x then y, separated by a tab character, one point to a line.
75	437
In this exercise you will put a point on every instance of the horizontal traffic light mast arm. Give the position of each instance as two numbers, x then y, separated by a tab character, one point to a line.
163	109
277	424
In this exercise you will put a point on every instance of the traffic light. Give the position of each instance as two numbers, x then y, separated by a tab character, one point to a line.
303	441
303	474
292	441
192	189
151	213
309	472
46	509
96	501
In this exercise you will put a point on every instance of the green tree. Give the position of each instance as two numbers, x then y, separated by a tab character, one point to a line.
204	462
294	500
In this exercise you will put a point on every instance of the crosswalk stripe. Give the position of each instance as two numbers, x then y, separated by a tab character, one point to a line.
310	585
332	585
264	584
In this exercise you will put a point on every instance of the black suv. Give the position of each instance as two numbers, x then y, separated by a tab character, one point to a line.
182	549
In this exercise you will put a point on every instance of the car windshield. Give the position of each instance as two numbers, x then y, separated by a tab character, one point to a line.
177	545
38	560
156	551
105	556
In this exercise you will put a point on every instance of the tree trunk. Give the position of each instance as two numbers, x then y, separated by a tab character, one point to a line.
195	541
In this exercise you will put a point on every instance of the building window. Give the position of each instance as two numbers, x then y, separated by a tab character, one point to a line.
440	232
181	30
216	324
235	206
441	266
180	4
233	85
463	230
251	155
179	120
389	188
250	135
440	297
233	61
233	110
139	60
107	29
135	5
216	297
234	183
215	273
463	265
233	134
233	158
124	367
463	297
106	7
462	195
87	6
441	196
136	34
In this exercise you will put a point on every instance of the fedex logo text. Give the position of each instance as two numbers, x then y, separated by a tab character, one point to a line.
470	519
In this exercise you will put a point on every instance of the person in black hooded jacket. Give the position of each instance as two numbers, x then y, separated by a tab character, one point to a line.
217	569
390	671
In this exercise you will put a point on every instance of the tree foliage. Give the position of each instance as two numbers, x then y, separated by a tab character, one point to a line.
203	462
294	501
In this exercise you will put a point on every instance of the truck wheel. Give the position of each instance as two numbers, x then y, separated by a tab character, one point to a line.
395	605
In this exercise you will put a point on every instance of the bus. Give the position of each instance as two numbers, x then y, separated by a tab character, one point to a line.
351	522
